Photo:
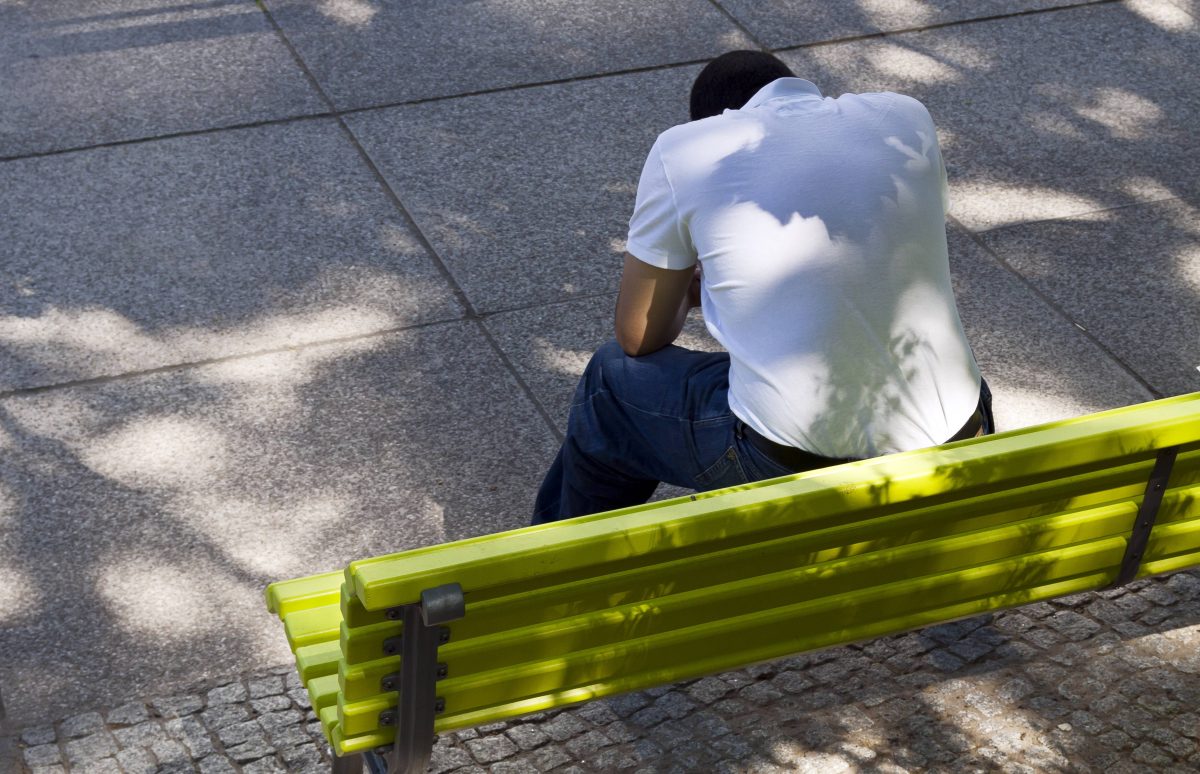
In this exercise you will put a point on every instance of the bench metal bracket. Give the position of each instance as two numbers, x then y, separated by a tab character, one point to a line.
424	631
1135	549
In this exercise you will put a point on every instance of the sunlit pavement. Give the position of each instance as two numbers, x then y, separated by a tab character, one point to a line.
287	284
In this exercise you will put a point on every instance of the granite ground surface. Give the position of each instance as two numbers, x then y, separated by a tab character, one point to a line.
292	282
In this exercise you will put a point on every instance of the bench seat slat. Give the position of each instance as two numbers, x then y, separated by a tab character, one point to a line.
951	472
312	625
322	691
318	659
739	639
313	591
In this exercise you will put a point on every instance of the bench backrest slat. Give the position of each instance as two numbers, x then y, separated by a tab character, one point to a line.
805	501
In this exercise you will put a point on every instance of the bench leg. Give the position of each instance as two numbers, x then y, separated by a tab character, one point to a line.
418	703
347	764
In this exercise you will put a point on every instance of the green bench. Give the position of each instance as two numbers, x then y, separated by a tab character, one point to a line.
401	647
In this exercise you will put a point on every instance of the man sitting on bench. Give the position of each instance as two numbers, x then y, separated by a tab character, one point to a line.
811	232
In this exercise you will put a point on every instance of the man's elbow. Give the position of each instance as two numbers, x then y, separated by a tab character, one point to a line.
634	344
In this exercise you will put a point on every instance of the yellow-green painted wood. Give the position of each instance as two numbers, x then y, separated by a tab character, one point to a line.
322	691
781	629
365	643
318	659
288	596
362	681
313	625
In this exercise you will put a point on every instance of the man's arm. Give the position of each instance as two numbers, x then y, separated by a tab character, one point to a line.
653	305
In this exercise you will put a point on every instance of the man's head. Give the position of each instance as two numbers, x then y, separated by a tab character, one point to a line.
730	80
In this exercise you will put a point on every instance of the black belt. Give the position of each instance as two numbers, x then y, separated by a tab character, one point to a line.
799	460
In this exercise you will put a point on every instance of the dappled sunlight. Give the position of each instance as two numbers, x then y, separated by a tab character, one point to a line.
1126	115
621	188
981	205
1017	733
1038	398
157	14
264	388
453	230
1050	122
705	150
159	452
897	13
698	337
269	538
103	341
894	61
352	13
1146	189
165	601
1163	14
18	594
560	360
10	507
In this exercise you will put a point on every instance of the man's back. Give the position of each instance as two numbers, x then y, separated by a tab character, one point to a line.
820	227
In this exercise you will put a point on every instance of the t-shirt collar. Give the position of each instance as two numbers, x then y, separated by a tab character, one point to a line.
783	88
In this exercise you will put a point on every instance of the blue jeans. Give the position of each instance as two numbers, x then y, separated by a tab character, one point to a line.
660	417
637	421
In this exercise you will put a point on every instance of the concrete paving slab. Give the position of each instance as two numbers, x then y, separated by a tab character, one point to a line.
1043	116
1039	366
99	71
141	519
783	23
140	256
1131	277
550	345
526	195
354	48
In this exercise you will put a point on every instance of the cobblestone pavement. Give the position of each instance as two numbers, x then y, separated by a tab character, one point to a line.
1106	681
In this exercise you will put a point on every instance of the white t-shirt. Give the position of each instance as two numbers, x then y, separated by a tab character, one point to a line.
820	225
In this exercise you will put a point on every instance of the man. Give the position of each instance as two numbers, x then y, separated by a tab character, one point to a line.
811	232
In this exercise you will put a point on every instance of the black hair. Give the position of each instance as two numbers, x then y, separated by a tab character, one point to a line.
730	80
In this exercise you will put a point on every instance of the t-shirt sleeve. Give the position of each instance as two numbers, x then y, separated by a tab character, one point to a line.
657	234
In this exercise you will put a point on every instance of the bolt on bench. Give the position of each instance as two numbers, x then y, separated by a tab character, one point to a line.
401	647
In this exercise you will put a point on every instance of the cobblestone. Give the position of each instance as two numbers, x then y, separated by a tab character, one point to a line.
128	714
1085	697
491	748
137	761
227	694
90	748
141	735
192	734
266	686
177	706
42	755
527	736
217	764
82	725
37	735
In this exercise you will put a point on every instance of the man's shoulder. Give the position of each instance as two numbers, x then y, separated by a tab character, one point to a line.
898	104
690	130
